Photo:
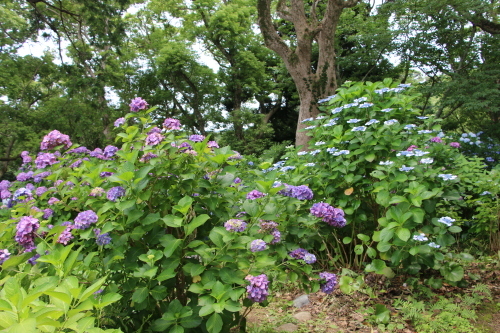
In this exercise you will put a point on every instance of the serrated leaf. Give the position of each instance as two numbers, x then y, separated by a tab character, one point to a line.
140	294
214	323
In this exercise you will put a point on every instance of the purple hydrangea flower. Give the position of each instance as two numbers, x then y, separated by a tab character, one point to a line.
267	225
332	216
276	236
30	187
79	150
4	185
328	282
298	253
26	157
302	192
26	232
235	225
212	144
258	288
47	213
237	180
53	200
172	124
454	144
119	122
236	156
320	209
258	245
84	219
45	159
437	139
54	139
40	176
66	235
5	194
309	258
197	138
105	174
76	163
97	153
146	157
110	151
40	190
185	146
252	195
154	138
32	260
115	193
102	239
4	255
24	176
154	130
138	104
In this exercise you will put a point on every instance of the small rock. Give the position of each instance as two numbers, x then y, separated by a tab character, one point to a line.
287	328
302	316
301	301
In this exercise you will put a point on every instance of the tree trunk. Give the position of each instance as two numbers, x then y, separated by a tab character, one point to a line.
312	84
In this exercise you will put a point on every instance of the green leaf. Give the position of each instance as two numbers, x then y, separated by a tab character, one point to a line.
383	247
195	223
170	243
176	329
183	205
382	314
370	157
452	272
214	323
404	234
140	294
28	325
191	321
172	221
455	229
347	240
364	238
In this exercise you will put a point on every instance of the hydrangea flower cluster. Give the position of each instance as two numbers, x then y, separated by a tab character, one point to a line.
84	219
24	176
66	235
420	238
328	282
26	157
254	194
258	245
332	216
235	225
302	254
26	232
448	221
154	138
53	200
110	151
146	157
115	193
45	159
447	176
138	104
454	144
197	138
119	122
102	239
258	288
301	192
23	193
171	124
437	139
54	139
272	228
4	255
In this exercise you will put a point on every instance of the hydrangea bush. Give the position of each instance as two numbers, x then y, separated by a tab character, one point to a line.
399	180
171	232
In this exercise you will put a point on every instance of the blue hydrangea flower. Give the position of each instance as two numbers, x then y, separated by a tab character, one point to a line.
422	117
428	160
387	110
314	152
390	122
365	105
405	168
353	121
310	164
360	100
386	163
359	129
331	122
319	143
410	126
307	119
300	153
381	91
371	121
447	176
448	221
434	245
84	219
331	150
337	110
115	193
309	258
310	127
420	238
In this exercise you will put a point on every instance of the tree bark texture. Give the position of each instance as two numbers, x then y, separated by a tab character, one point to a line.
309	27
